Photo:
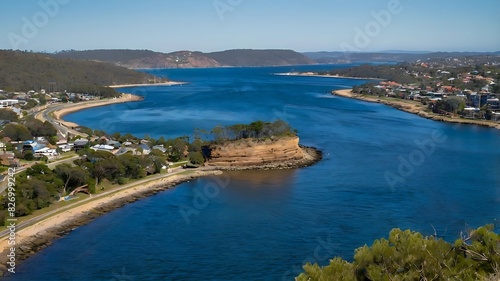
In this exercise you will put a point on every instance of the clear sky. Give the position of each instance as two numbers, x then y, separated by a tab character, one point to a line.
214	25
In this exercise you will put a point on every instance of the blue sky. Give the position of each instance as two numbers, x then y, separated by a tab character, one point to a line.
214	25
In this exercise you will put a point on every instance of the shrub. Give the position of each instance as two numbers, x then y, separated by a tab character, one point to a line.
408	255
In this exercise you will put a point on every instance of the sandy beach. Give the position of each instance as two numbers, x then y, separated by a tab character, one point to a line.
170	83
414	108
58	114
37	236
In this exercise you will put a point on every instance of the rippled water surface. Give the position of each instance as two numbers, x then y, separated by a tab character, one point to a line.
263	225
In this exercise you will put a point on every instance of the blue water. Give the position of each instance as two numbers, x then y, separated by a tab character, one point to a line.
263	225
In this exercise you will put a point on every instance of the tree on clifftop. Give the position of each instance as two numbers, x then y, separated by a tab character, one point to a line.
257	129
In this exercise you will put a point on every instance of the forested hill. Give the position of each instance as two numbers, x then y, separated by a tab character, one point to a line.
259	57
24	71
120	56
188	59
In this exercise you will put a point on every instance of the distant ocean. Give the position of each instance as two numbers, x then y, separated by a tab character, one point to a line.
382	169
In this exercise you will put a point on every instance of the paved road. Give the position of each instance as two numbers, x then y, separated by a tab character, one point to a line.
44	115
36	219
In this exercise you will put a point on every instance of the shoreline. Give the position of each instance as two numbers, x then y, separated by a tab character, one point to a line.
60	113
312	74
170	83
40	234
413	108
33	238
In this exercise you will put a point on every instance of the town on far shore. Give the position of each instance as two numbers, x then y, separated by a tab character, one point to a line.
467	88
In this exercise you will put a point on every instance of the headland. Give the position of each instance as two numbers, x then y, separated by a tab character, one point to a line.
272	152
262	154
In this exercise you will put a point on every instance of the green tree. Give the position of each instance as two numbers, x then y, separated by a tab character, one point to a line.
256	128
219	133
73	177
408	255
455	104
196	158
17	132
7	114
38	128
132	166
28	155
31	103
116	136
111	167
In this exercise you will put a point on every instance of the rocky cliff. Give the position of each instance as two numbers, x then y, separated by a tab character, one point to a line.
276	153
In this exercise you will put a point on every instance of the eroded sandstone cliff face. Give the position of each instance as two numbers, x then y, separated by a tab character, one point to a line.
265	154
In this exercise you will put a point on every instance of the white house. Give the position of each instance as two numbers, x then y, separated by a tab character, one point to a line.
102	147
8	103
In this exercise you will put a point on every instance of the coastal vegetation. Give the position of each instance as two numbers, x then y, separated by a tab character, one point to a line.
259	57
408	255
257	129
27	129
382	72
39	186
25	71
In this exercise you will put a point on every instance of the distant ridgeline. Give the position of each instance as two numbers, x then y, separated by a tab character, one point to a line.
392	56
24	71
188	59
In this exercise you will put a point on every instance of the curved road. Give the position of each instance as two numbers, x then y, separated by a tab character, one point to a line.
44	115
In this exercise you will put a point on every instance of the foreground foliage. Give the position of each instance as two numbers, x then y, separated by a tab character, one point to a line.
408	255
